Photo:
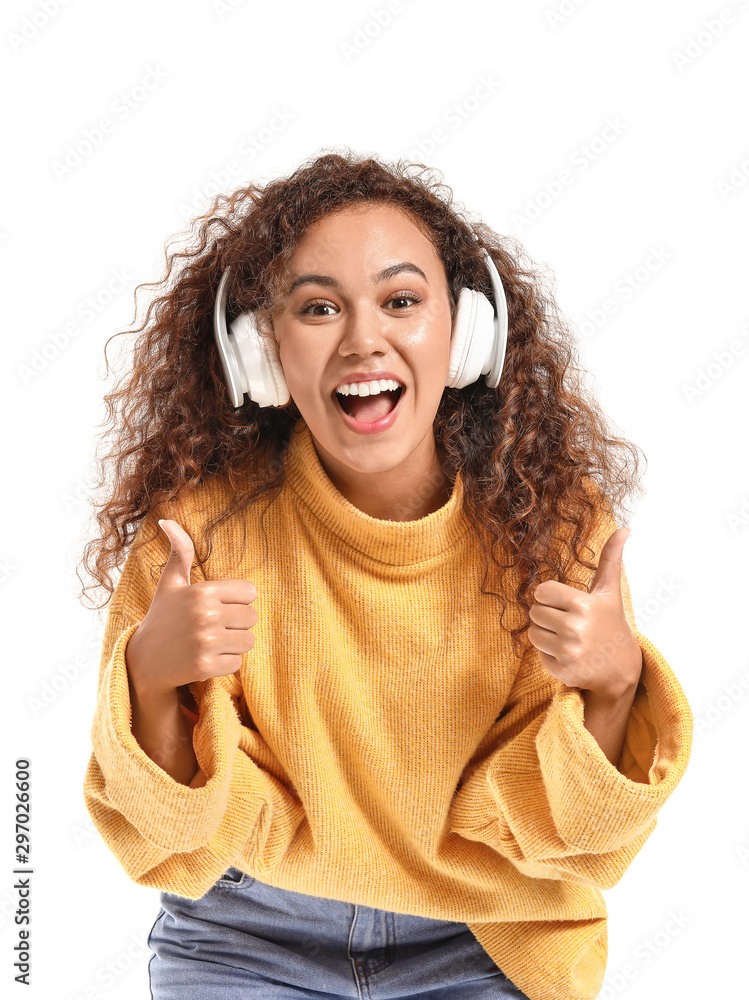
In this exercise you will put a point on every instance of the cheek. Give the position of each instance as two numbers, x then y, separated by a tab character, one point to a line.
290	351
430	337
429	351
301	368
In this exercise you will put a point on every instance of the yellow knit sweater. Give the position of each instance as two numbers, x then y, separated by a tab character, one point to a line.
379	744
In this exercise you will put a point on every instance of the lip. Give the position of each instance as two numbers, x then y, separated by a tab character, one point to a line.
377	426
367	377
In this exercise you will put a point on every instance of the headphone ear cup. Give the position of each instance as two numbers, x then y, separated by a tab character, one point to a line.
472	338
274	368
259	363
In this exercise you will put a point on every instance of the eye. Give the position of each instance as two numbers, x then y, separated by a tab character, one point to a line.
405	297
317	304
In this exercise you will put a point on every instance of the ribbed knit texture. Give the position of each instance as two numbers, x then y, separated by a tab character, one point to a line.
379	744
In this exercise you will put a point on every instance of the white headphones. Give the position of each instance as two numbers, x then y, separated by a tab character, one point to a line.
252	365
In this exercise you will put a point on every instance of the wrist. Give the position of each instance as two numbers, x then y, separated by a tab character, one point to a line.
622	686
152	700
609	697
140	680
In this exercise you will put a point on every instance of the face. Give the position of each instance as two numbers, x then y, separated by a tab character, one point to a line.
367	299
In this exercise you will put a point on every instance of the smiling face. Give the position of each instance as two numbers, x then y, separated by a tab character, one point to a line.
368	299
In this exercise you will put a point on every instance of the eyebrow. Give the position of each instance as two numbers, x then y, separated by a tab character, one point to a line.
383	275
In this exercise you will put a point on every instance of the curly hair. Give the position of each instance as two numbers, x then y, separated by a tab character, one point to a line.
536	453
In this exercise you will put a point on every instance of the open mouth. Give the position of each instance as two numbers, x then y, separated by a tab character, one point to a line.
368	409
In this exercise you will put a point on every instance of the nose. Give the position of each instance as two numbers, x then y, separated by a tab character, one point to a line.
363	332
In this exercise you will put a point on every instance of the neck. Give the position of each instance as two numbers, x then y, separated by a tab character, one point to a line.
405	493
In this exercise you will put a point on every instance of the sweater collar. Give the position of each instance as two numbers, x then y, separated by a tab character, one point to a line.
393	542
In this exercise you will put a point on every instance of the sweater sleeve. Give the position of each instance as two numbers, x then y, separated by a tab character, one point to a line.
167	835
545	795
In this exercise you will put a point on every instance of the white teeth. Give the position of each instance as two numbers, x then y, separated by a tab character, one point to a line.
368	388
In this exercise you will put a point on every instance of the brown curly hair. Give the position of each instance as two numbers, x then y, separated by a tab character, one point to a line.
535	454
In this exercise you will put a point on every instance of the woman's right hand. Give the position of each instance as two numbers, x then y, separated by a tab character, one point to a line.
192	631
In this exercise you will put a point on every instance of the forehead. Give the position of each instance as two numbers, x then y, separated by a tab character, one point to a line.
362	234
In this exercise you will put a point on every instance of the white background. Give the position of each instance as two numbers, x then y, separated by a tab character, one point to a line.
669	365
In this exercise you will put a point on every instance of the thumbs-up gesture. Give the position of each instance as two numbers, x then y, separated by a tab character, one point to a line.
192	631
585	639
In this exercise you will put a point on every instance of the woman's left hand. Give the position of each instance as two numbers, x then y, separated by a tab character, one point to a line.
585	639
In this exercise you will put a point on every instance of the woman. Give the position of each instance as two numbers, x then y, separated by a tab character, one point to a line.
394	731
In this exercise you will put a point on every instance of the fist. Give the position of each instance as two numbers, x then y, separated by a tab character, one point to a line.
585	640
192	631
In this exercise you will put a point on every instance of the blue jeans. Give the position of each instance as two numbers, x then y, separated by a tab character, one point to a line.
251	940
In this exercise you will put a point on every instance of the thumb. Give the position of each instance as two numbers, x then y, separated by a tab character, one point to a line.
176	573
609	573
